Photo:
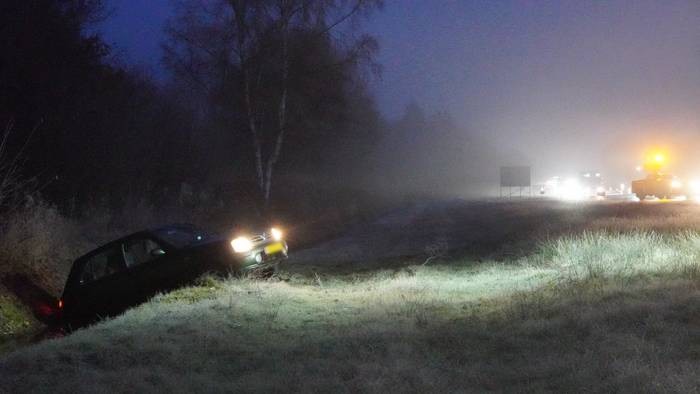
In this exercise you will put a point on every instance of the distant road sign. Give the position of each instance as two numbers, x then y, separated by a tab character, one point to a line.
518	176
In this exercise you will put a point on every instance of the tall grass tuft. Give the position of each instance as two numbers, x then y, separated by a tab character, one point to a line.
606	254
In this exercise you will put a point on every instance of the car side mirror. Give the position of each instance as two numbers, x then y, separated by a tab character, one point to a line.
157	252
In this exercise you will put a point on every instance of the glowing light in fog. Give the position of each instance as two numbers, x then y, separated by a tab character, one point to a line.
276	234
695	186
571	190
241	245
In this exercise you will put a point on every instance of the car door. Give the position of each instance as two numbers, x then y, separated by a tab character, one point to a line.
155	266
104	283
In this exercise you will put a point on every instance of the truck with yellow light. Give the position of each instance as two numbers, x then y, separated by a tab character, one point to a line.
662	186
657	184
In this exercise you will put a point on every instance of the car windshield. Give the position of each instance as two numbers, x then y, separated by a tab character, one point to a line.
181	237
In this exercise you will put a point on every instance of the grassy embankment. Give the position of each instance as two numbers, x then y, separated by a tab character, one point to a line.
17	324
598	311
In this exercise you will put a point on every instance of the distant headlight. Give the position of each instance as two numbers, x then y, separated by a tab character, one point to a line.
676	184
241	245
276	234
695	186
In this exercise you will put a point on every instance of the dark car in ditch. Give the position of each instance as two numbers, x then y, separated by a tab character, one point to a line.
130	270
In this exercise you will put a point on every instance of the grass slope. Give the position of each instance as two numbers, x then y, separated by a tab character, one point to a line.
17	324
596	311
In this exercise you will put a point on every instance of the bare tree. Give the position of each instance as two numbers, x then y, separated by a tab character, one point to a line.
249	42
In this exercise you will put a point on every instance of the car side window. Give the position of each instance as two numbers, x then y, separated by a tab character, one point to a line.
103	264
139	251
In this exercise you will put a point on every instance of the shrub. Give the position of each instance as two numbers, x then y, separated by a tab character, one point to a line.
36	240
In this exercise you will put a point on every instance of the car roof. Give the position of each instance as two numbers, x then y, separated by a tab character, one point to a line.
112	242
173	226
149	232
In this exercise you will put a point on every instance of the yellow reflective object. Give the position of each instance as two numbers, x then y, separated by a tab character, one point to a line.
274	248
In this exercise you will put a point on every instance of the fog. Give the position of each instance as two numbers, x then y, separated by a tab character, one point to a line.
404	98
572	86
562	86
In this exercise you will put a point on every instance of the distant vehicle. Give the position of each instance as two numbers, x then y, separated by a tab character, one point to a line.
657	184
592	184
587	185
132	269
660	186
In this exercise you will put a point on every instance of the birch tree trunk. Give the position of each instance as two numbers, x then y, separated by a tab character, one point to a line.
266	153
282	109
243	31
255	135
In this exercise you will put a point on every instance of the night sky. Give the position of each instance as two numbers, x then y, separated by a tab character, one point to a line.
570	84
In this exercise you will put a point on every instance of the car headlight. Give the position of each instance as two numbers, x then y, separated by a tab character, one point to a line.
676	184
276	234
241	245
695	186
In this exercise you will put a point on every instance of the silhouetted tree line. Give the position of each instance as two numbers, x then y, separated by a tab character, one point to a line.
439	163
258	89
264	100
92	130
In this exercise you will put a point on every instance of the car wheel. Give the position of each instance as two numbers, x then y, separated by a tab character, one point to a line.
271	271
267	272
